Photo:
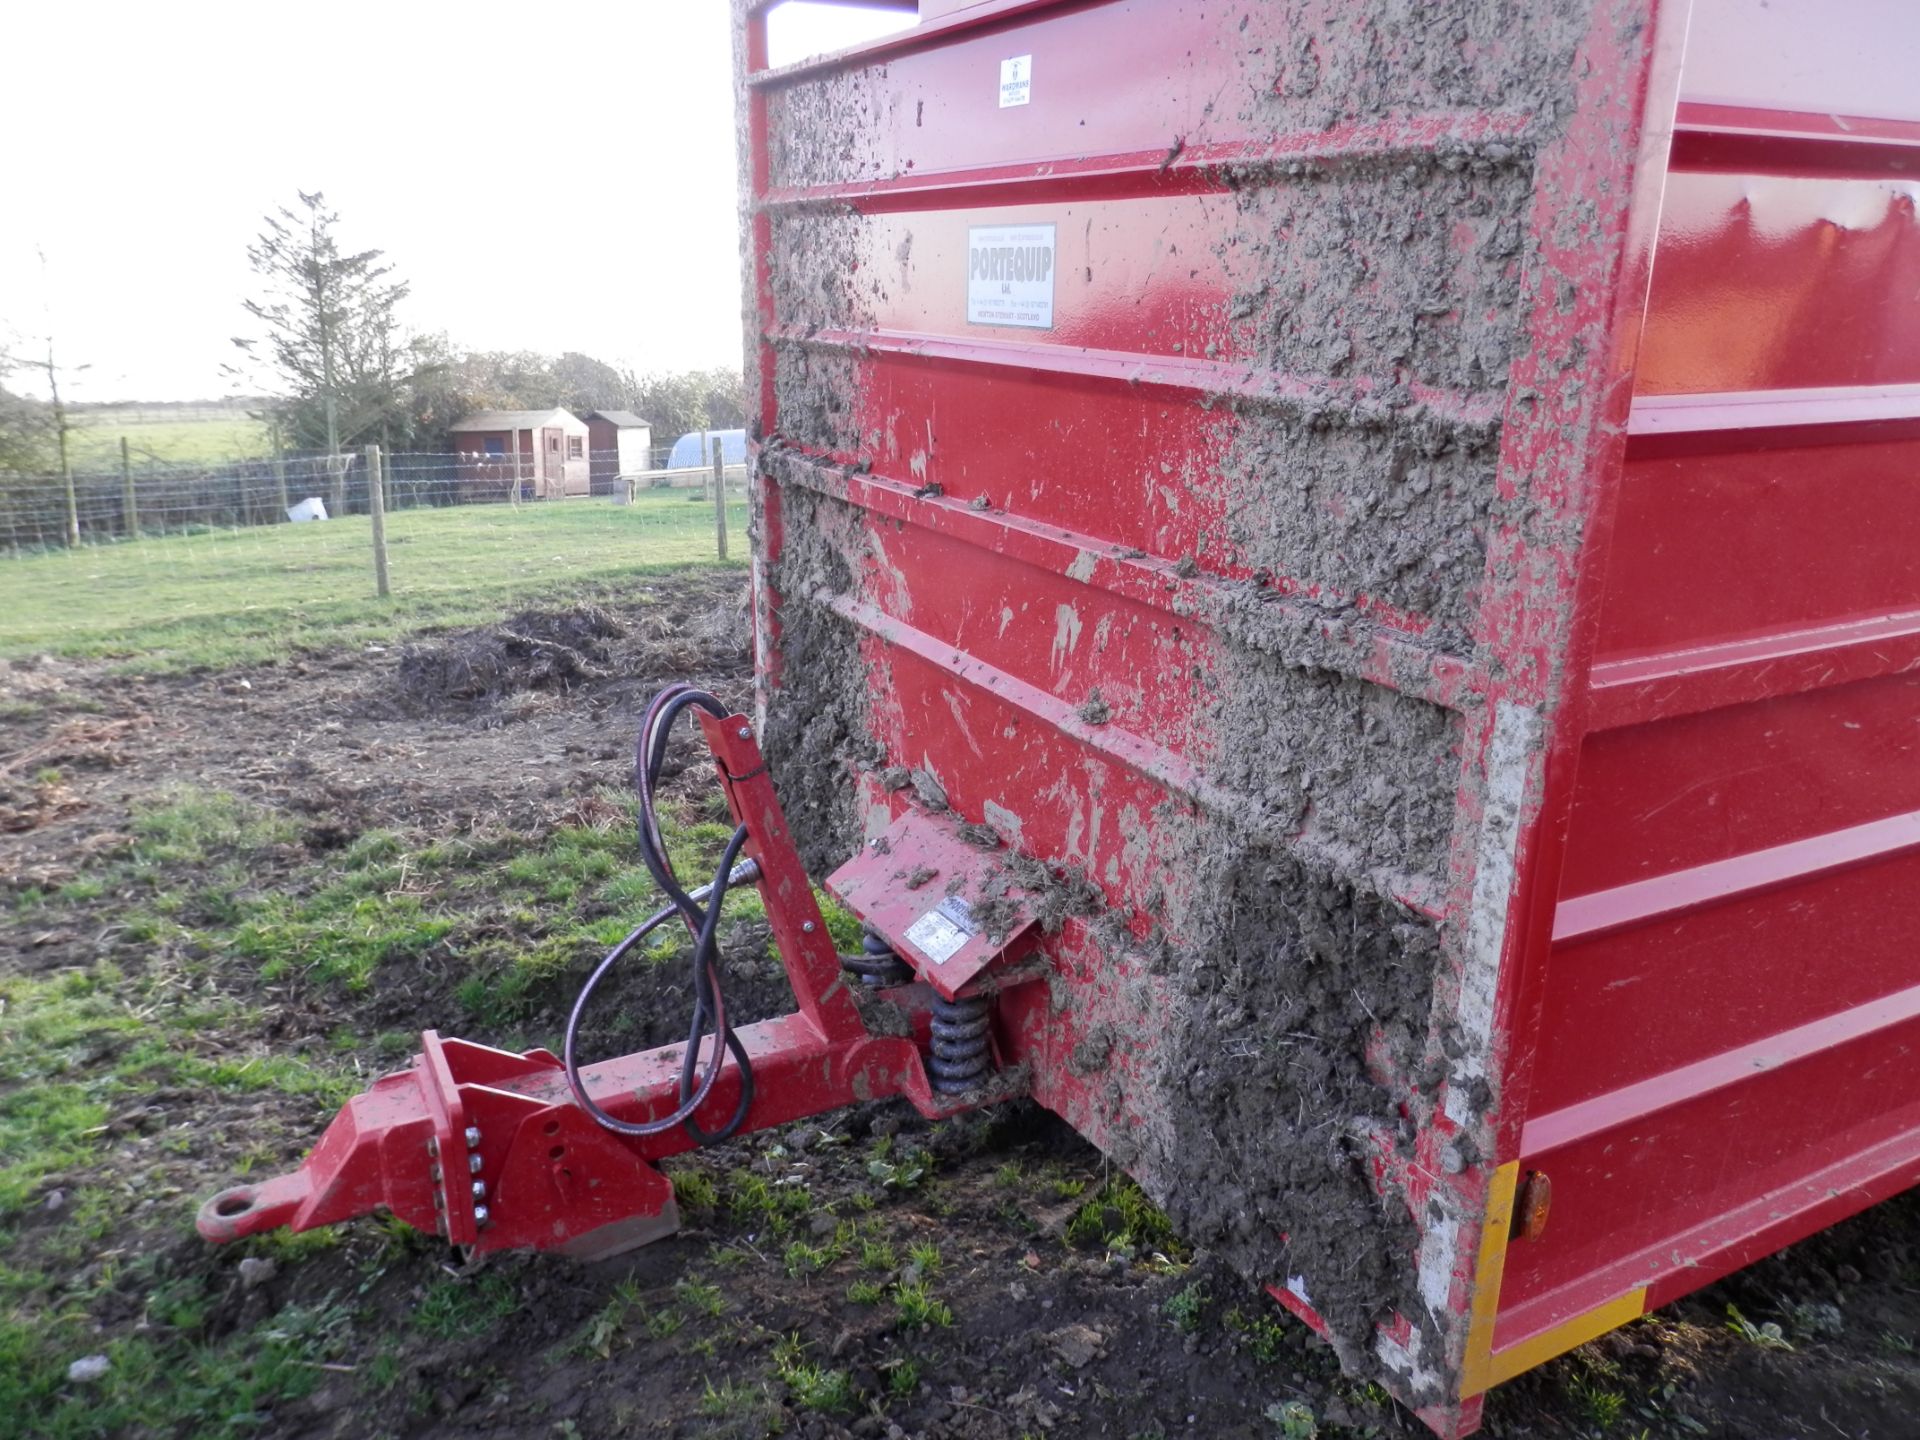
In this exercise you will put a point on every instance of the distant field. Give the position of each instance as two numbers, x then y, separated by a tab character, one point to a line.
189	434
239	596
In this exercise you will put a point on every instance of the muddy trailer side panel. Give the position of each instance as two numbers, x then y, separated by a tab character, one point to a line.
1724	1025
1452	651
1182	463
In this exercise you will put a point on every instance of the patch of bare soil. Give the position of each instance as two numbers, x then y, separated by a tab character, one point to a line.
456	733
521	728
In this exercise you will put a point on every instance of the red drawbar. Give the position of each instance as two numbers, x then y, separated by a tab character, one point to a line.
487	1147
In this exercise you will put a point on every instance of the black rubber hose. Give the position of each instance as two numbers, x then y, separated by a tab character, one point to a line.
613	956
702	921
707	1002
650	754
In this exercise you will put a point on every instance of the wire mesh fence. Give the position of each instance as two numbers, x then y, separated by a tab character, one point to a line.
156	500
275	547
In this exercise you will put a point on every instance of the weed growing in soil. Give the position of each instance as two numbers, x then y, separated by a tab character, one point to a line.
755	1200
814	1387
700	1296
1264	1335
1059	1185
731	1401
1119	1217
1186	1306
598	1335
694	1190
1767	1335
1596	1403
1294	1419
459	1306
662	1323
917	1309
907	1173
804	1259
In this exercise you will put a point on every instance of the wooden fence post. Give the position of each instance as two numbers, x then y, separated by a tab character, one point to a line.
73	499
719	500
377	509
126	491
279	470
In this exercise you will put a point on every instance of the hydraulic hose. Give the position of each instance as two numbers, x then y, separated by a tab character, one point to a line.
700	912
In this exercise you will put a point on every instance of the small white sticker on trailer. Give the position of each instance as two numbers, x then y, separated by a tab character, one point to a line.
1016	81
941	932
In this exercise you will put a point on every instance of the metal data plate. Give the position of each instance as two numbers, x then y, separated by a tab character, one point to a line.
922	886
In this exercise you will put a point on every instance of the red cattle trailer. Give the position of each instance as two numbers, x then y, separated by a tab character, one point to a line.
1338	584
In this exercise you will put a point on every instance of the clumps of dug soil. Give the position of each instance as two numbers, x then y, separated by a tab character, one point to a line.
534	650
497	671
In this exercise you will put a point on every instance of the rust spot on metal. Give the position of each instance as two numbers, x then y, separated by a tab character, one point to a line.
1531	1204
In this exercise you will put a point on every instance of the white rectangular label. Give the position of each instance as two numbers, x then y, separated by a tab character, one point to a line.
1010	275
941	932
1016	81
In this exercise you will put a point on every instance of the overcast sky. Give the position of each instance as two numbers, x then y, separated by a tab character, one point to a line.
496	152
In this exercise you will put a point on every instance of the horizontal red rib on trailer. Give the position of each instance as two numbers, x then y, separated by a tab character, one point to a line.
1364	400
1637	691
1303	624
1742	138
1200	168
1580	917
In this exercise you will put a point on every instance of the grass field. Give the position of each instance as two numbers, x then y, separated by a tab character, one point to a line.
227	902
190	435
238	596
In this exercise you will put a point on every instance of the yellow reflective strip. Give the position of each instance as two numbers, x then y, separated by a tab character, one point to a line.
1483	1369
1486	1280
1563	1337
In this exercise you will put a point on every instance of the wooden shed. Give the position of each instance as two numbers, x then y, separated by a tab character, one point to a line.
544	452
619	443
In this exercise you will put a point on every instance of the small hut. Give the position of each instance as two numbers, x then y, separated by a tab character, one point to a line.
544	452
619	443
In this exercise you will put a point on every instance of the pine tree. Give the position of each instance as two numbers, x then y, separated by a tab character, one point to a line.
332	333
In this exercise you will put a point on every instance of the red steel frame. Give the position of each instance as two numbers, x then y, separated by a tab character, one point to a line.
1519	694
1589	630
1679	900
488	1149
1727	951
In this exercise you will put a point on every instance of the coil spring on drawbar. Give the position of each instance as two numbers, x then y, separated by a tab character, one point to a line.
960	1058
